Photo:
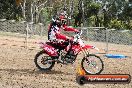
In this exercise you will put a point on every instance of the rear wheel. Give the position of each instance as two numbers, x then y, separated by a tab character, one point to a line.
43	61
92	64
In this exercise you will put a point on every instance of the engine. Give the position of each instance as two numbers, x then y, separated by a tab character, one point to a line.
67	57
70	57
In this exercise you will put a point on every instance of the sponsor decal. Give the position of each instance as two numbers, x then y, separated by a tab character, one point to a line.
50	50
83	78
104	78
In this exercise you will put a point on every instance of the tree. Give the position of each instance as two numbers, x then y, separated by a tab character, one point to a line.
107	13
8	10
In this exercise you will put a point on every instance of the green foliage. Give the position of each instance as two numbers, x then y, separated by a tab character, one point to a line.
94	7
117	24
127	12
9	10
118	14
45	16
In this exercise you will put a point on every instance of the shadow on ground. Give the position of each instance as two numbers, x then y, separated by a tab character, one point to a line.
30	71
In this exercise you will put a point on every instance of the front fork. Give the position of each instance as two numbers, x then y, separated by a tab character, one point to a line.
85	54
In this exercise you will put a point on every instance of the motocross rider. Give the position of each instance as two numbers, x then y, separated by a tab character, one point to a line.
59	23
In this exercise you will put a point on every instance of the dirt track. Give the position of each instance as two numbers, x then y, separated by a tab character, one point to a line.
17	69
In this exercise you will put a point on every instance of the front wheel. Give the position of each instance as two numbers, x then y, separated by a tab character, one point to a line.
92	64
43	61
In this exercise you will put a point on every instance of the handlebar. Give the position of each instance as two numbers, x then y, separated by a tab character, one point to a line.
77	36
79	33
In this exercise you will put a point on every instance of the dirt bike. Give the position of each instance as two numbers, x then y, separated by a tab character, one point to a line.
90	63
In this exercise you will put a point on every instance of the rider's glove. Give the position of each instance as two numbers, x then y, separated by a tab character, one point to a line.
70	39
77	31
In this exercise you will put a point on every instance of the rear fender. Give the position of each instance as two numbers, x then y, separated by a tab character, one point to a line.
51	51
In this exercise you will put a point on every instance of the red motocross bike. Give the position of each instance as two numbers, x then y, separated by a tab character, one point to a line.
90	63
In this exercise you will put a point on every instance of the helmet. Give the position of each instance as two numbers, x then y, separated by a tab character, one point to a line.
60	19
63	17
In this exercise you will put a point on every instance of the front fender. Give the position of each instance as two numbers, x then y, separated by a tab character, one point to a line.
90	47
77	49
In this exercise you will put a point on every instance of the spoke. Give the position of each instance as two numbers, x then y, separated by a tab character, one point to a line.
92	64
43	61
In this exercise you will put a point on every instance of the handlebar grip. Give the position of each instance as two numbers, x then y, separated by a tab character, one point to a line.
75	43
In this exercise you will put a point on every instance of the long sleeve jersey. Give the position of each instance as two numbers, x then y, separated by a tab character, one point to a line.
54	32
